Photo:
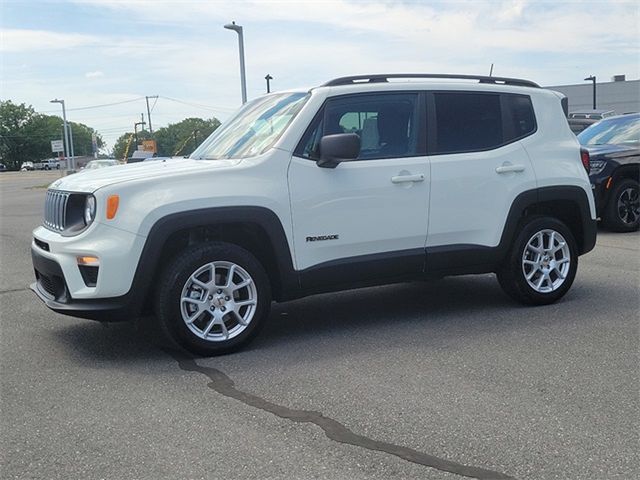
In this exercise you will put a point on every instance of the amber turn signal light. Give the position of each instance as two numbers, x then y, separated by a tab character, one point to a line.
112	206
88	260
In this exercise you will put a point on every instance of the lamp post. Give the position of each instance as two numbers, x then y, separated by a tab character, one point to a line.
268	78
68	139
592	78
243	80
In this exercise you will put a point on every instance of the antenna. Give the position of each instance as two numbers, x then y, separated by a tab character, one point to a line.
491	70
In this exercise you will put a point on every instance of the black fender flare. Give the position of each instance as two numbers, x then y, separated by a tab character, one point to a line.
531	198
162	229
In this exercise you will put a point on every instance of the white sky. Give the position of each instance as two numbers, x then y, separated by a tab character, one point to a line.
92	52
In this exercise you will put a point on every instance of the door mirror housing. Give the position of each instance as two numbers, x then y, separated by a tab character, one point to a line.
341	147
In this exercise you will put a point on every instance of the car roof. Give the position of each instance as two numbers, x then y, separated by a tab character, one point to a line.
598	110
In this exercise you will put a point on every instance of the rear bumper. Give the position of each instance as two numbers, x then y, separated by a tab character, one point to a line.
51	287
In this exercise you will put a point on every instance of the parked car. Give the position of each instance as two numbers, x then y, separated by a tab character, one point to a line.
361	181
580	120
48	164
614	150
3	167
107	162
592	114
26	166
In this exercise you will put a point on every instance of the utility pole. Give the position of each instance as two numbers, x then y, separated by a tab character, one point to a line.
149	111
268	78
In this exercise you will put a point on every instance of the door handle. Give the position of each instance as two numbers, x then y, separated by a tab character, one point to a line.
510	168
408	178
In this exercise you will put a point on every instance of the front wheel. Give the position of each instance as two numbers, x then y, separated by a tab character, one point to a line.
622	213
542	263
213	298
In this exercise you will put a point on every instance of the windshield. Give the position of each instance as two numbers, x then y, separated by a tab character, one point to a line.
615	130
254	129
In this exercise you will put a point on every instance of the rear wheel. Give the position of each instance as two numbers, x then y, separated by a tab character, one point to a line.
213	298
542	263
622	213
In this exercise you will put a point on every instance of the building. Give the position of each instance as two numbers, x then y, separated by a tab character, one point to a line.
620	95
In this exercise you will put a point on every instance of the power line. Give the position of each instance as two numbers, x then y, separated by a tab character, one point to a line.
200	105
90	107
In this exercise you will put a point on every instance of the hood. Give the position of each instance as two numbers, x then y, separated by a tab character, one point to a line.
91	180
613	150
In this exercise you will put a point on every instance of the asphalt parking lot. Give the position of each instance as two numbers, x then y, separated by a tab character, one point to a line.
435	380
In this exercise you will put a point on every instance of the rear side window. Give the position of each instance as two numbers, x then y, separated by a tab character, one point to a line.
467	122
522	119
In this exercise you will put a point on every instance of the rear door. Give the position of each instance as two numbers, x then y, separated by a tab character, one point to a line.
478	167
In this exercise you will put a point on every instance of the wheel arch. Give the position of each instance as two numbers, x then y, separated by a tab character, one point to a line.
568	204
629	170
256	229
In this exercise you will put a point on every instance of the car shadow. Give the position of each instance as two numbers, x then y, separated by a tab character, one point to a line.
455	306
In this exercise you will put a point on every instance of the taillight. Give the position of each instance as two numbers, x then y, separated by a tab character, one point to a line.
586	162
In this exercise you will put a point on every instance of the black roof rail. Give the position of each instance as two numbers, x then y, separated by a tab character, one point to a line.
383	78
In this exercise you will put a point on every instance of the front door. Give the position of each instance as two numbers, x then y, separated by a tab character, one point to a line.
366	217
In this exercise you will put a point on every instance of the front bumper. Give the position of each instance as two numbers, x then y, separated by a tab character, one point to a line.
51	287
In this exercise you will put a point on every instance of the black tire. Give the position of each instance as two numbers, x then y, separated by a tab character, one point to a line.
622	211
168	305
511	275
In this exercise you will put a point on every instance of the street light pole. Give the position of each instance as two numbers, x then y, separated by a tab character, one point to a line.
243	80
268	78
68	145
592	78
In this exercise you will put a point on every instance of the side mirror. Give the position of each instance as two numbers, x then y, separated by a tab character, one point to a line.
338	148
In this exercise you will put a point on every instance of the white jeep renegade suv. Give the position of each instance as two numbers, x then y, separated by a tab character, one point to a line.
362	181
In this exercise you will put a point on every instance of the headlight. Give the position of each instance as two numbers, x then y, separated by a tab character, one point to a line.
89	209
597	166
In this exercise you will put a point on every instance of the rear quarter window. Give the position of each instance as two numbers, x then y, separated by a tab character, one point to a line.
522	118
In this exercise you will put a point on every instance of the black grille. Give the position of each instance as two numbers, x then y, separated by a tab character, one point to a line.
53	285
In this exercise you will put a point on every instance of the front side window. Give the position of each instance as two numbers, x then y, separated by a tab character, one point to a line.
254	129
387	125
467	122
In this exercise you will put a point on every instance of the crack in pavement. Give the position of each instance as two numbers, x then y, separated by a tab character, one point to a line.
333	429
14	290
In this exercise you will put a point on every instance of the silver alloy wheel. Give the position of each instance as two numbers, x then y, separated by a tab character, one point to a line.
218	301
629	206
546	261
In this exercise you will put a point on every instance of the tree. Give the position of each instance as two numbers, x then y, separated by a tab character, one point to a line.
183	137
128	140
26	135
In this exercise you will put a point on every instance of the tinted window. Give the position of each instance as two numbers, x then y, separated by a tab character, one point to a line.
386	123
466	122
522	117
